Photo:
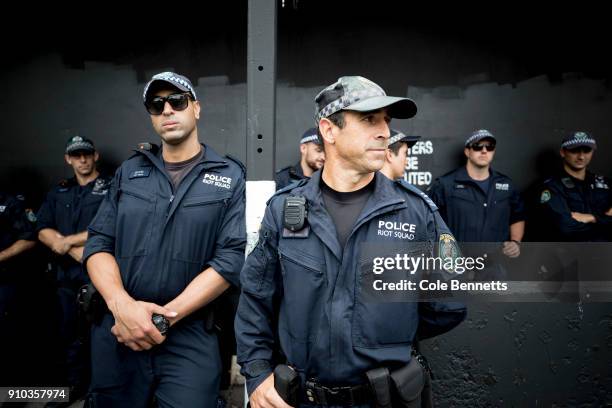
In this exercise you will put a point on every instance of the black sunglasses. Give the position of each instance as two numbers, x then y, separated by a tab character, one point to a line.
479	147
178	102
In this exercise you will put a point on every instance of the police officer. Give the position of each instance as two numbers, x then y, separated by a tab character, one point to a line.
168	239
16	238
478	203
396	156
312	159
576	203
300	283
62	226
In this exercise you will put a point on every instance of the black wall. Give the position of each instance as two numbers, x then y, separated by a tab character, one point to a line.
529	78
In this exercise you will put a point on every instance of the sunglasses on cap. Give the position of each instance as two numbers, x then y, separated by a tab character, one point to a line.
580	149
479	146
178	102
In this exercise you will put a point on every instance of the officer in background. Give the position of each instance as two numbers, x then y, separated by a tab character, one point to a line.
396	157
16	238
312	159
300	283
168	239
577	204
62	226
480	204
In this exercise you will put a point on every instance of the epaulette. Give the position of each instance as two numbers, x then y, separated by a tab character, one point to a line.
289	187
238	162
412	189
64	183
148	146
283	169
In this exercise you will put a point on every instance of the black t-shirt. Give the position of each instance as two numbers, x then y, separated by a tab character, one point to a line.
178	170
344	208
484	184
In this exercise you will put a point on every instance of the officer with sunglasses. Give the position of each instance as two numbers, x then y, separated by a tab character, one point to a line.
576	203
168	239
480	204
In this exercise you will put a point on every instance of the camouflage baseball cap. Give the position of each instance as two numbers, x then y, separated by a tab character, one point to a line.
176	80
578	139
78	143
359	94
397	136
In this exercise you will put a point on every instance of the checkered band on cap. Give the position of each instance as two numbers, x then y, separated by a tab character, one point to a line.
396	138
311	138
345	91
578	139
172	78
79	143
346	101
477	135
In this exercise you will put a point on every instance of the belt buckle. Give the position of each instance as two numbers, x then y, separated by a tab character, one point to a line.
342	395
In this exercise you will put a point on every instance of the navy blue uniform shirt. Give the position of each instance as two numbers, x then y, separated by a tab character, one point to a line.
563	194
69	208
163	238
305	291
288	175
472	215
14	226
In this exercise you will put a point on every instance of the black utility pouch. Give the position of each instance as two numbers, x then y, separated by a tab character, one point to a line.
287	383
408	383
91	305
380	384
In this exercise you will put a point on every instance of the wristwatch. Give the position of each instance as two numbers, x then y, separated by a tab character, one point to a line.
161	323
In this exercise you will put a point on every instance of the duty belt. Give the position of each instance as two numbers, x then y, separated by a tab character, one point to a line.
318	394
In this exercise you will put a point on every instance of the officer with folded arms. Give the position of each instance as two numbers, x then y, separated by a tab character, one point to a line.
62	226
478	203
576	203
301	296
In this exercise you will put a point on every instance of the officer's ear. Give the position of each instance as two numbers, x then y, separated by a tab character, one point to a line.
96	156
67	159
196	109
326	130
562	152
466	151
389	155
303	148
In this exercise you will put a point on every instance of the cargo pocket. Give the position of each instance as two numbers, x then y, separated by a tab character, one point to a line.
135	219
381	322
197	222
303	285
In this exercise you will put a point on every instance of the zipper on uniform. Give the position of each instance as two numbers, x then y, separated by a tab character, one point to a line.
170	204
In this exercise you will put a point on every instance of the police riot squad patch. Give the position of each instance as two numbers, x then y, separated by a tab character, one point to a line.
394	229
545	196
217	180
502	186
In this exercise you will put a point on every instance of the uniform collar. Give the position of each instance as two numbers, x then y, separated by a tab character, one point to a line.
210	157
385	197
462	175
297	170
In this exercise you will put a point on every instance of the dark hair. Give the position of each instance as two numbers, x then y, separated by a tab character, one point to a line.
395	147
335	118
